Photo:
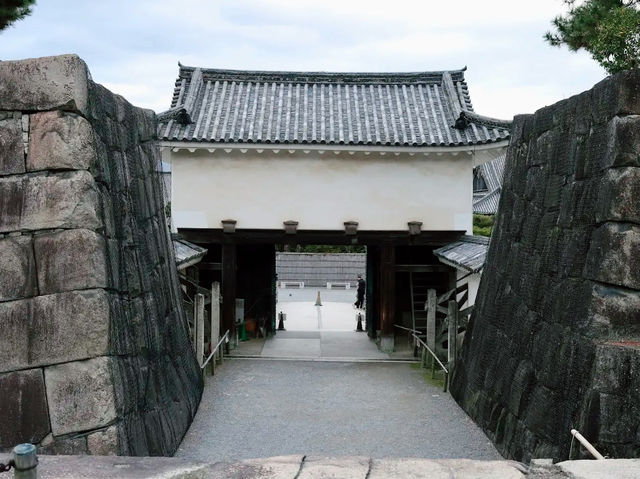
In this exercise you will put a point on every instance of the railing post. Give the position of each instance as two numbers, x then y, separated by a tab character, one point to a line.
431	321
215	319
25	461
452	350
199	327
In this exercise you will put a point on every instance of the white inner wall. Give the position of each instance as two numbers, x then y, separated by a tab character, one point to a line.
321	192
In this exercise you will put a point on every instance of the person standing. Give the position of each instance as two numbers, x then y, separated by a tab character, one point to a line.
360	292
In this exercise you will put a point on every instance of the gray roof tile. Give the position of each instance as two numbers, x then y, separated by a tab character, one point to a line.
492	172
392	109
467	254
187	253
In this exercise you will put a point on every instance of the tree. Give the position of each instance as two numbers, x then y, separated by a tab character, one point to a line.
14	10
608	29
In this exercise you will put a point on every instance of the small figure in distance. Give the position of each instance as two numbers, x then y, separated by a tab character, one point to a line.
360	293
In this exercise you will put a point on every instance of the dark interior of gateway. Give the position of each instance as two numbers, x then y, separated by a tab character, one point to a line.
399	270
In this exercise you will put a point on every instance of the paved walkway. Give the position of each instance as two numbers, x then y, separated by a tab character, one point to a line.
319	332
257	408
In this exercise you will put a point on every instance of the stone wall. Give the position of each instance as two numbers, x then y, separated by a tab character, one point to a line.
95	355
553	342
316	269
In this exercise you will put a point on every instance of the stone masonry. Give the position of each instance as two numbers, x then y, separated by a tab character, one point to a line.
95	354
554	340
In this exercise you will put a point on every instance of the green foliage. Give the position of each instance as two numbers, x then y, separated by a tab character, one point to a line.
608	29
14	10
482	225
323	248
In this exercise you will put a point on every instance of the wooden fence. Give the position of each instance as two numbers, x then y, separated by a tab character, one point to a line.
445	317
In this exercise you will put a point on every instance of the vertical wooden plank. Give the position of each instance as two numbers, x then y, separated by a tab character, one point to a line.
199	327
215	321
215	313
431	320
229	270
453	336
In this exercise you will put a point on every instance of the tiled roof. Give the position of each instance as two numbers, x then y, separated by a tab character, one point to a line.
492	172
467	254
187	253
488	204
392	109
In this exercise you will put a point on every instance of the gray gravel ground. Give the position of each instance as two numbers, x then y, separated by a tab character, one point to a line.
259	408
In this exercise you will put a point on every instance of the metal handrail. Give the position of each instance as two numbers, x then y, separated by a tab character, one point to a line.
406	329
225	339
588	446
418	339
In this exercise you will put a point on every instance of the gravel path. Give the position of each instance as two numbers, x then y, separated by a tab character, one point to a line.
261	408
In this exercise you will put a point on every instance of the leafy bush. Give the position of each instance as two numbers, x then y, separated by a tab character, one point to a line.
482	225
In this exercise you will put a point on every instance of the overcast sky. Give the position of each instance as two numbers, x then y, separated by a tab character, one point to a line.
133	46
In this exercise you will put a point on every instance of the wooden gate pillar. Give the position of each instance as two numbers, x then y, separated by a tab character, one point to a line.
229	274
387	296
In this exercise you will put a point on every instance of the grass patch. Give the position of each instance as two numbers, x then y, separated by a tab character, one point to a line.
438	377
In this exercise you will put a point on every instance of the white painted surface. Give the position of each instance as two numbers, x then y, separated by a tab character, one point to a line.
474	283
321	191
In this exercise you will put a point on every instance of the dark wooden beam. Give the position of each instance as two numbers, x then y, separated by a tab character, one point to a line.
252	236
422	268
207	266
229	275
387	289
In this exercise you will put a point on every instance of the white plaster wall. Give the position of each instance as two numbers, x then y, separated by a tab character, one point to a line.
321	191
474	283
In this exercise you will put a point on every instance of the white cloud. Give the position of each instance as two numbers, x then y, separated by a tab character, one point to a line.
511	69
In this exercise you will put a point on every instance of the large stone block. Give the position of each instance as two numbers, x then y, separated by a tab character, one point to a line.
12	190
47	83
614	255
63	200
623	142
617	421
616	95
15	322
11	146
66	446
23	404
611	369
614	310
18	278
80	395
619	196
69	326
104	442
70	260
59	140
